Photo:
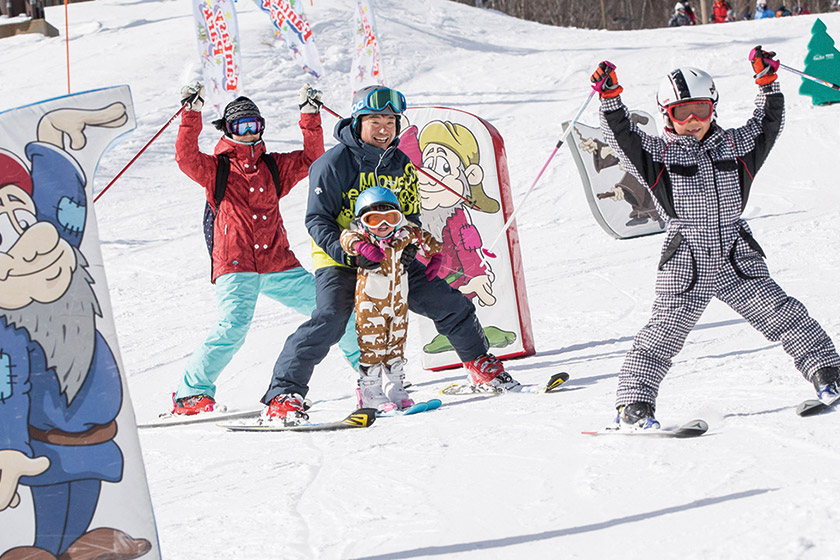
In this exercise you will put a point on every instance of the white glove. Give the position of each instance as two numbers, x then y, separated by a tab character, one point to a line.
309	99
193	96
13	465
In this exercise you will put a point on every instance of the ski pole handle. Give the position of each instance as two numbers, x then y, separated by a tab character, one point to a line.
143	149
540	174
810	77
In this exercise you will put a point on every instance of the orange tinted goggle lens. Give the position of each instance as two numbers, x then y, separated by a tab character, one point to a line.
376	218
682	112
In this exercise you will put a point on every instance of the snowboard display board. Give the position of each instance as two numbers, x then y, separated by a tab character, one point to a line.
467	154
620	204
72	479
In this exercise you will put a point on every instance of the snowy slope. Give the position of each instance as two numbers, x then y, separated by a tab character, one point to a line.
507	477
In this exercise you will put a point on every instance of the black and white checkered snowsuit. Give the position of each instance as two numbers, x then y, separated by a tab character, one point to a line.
700	188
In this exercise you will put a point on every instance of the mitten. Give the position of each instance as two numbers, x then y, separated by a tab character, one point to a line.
193	96
369	251
764	65
604	80
408	255
309	99
433	267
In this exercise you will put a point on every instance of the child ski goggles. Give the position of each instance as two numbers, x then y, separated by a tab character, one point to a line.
376	218
682	112
379	99
247	125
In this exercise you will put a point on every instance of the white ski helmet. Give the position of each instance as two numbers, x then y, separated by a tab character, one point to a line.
684	84
678	7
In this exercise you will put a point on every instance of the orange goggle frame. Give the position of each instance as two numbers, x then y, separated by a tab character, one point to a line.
376	218
682	112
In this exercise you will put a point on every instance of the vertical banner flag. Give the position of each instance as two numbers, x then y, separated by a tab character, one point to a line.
619	203
218	47
72	480
367	64
467	154
291	25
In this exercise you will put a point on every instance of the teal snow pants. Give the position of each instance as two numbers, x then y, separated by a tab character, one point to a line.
236	296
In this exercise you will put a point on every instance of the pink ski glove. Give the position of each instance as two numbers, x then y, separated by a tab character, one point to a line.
370	251
470	238
433	267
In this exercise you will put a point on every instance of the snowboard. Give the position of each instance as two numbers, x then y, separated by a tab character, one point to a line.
554	383
417	408
694	428
361	418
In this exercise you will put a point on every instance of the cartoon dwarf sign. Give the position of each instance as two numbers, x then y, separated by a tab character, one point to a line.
620	204
465	199
72	483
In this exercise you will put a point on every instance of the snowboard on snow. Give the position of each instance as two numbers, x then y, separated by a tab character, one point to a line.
553	384
694	428
361	418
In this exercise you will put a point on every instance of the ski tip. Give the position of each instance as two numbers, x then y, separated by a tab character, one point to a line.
556	380
362	418
811	407
692	428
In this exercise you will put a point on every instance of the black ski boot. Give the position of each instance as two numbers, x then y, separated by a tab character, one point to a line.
637	416
827	383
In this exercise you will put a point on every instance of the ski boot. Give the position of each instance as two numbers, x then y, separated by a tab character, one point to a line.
487	374
827	383
369	393
290	409
192	405
393	385
636	416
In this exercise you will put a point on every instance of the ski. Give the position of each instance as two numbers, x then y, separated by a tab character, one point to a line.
416	408
461	389
362	418
690	429
812	407
168	419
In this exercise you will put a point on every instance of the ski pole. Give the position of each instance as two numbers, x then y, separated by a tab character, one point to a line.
810	77
539	175
143	149
471	204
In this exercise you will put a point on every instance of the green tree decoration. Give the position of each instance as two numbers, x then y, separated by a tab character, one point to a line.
822	61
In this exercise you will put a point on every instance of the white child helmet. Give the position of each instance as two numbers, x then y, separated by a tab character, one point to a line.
678	7
684	84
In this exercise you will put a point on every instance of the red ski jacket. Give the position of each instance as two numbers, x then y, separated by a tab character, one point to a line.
248	233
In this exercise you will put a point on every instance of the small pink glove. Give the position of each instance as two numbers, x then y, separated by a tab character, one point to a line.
370	251
433	267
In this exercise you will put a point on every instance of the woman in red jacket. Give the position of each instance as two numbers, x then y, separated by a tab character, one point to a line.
250	250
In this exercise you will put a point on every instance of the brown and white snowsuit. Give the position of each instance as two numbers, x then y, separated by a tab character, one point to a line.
382	293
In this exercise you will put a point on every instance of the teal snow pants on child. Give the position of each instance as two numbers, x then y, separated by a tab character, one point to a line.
236	297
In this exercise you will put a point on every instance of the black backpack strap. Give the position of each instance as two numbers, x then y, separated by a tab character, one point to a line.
222	172
275	172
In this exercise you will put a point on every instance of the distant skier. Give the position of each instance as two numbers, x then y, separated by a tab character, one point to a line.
680	17
762	11
700	176
381	233
722	12
250	250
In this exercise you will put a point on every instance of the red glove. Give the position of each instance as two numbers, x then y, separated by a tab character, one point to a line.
604	80
764	65
370	251
433	267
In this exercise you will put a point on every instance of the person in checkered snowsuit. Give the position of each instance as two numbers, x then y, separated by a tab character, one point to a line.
700	175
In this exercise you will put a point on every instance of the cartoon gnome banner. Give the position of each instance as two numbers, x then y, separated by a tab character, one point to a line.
218	48
291	25
466	154
367	63
72	480
621	205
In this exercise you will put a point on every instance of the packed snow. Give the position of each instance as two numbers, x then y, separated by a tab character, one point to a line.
502	477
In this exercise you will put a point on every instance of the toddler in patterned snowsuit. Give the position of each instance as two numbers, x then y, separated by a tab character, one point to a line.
700	176
381	235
